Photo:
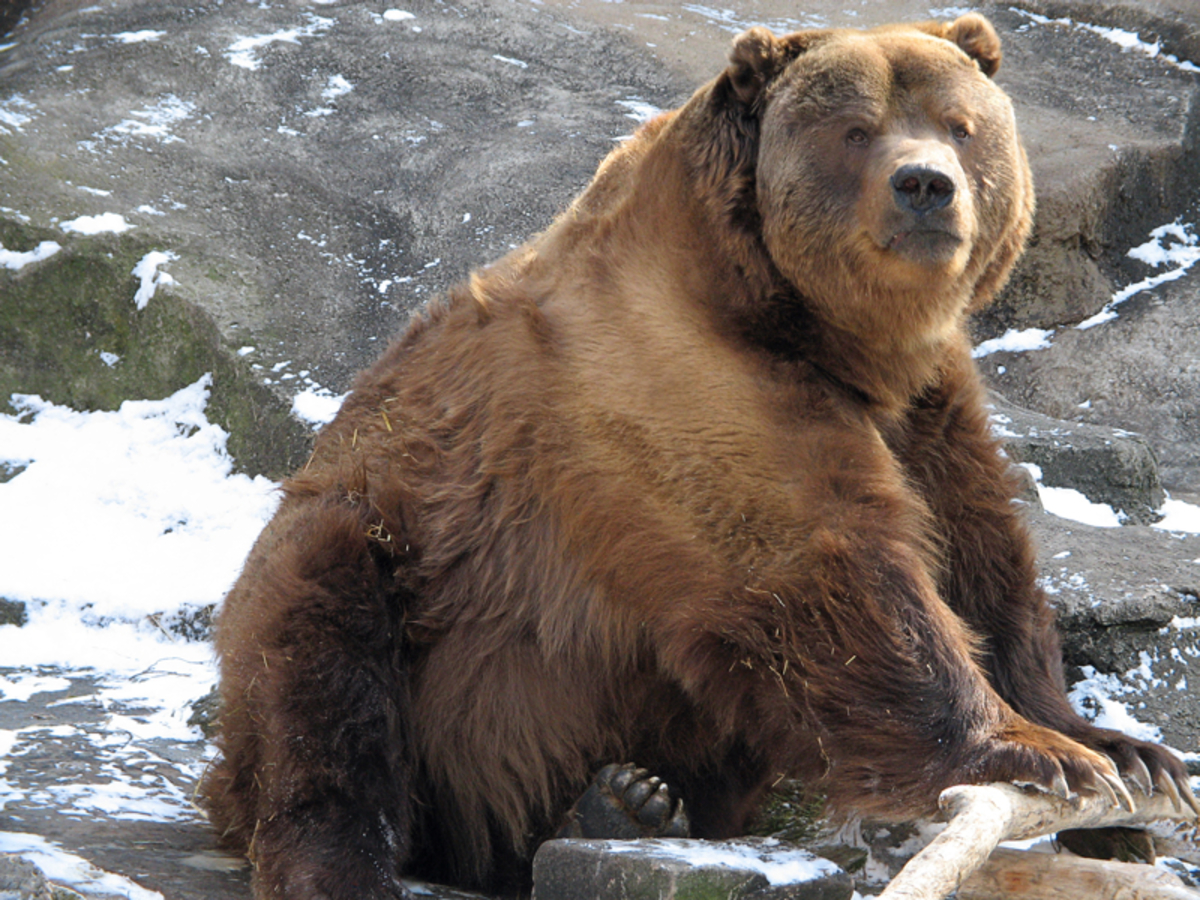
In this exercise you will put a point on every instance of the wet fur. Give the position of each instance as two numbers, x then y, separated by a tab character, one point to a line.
643	491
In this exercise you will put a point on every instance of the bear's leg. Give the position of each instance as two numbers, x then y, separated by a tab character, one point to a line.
315	775
625	803
989	578
840	664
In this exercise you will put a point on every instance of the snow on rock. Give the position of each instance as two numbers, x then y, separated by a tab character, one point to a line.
1182	253
66	868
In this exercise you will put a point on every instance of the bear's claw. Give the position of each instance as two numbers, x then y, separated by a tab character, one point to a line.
625	803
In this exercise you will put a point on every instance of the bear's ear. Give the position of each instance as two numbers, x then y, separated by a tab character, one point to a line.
758	56
975	36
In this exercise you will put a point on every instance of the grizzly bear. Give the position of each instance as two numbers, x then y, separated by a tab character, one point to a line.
700	479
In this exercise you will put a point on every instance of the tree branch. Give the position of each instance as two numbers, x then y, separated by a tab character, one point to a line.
981	816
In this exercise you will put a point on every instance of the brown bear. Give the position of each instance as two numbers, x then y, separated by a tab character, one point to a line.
700	478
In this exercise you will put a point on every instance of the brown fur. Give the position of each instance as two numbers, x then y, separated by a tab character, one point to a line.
701	478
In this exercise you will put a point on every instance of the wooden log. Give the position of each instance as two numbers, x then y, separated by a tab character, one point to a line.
1024	875
981	816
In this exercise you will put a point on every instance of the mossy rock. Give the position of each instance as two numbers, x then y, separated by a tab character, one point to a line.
60	315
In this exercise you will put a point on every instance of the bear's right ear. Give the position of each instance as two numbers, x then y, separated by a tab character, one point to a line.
758	56
975	36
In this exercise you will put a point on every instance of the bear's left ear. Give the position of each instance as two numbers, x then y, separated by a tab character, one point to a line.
757	56
975	36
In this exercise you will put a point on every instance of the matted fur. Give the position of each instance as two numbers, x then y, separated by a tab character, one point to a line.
700	478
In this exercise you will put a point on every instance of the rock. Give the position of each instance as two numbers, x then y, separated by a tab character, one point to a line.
1105	464
676	869
13	612
1140	371
22	880
1126	601
1110	140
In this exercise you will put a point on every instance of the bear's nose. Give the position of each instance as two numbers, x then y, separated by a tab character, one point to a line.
921	188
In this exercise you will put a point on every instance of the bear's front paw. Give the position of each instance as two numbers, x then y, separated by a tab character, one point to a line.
1149	766
1023	753
625	803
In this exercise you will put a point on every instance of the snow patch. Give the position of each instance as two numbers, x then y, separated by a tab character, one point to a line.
519	63
1068	503
244	51
147	271
397	15
639	110
1126	40
1014	341
15	113
317	406
337	86
138	37
1179	516
74	871
104	223
153	122
1182	252
152	487
12	259
1093	698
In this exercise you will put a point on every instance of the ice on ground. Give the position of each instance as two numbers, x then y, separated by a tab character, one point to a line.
151	279
519	63
243	51
397	15
14	260
62	867
1014	341
1182	252
104	223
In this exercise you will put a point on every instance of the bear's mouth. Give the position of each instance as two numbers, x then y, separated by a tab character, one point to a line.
925	245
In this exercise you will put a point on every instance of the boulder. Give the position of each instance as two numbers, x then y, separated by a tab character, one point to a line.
1107	465
676	869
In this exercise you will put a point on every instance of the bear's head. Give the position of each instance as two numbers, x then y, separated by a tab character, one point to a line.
889	184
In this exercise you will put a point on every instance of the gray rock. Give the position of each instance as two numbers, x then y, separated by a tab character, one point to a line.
1140	371
1126	600
1105	464
13	612
22	880
674	869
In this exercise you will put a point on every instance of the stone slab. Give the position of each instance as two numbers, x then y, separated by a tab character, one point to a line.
676	869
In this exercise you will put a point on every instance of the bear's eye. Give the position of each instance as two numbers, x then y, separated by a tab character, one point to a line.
856	137
960	132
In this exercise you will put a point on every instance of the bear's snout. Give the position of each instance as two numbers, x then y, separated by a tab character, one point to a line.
922	189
